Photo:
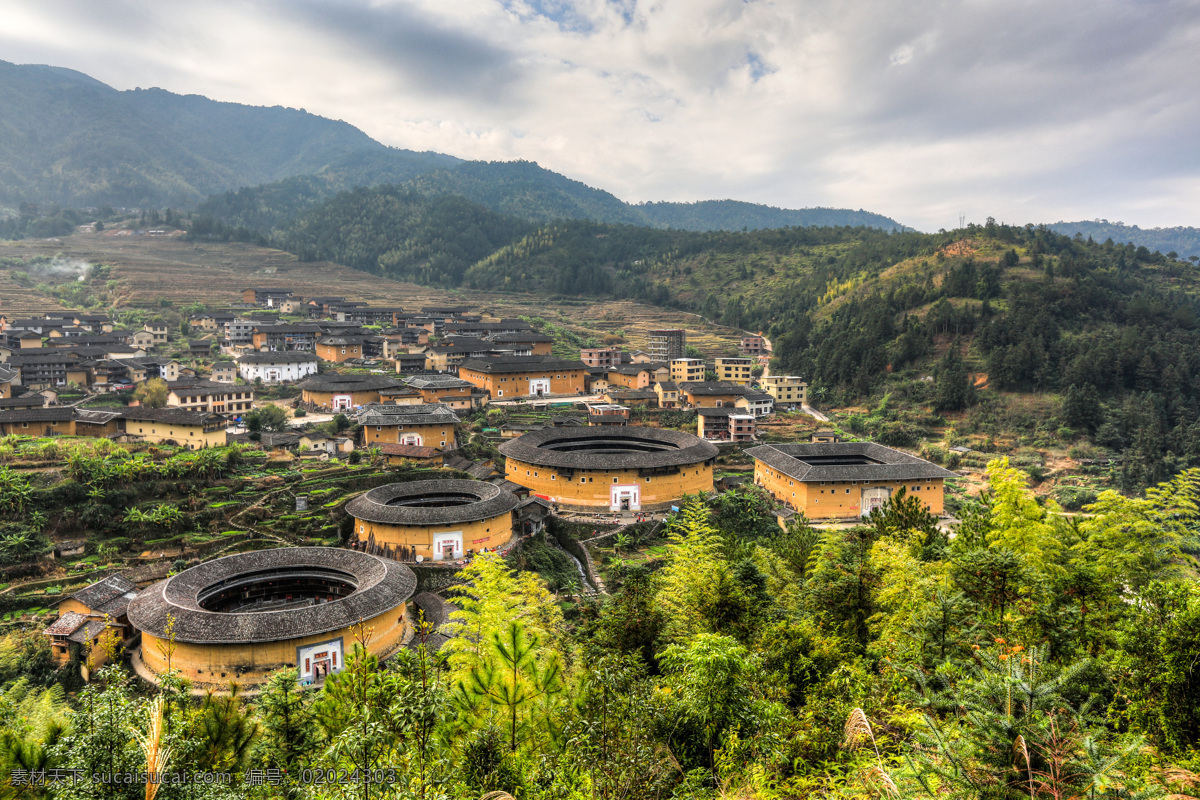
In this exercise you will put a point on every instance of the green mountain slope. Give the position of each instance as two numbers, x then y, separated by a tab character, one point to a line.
734	215
1182	240
66	138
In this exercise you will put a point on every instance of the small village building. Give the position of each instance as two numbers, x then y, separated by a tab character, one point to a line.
824	436
711	394
331	391
37	422
225	372
727	424
158	332
759	404
86	616
410	455
611	468
7	376
339	348
276	367
400	396
687	370
638	376
844	480
267	297
284	337
456	393
668	394
409	363
242	617
601	356
524	343
608	414
441	520
789	391
210	396
191	429
630	397
323	443
530	376
754	346
429	425
735	370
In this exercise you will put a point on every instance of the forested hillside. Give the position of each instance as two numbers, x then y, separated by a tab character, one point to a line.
1182	240
66	138
734	215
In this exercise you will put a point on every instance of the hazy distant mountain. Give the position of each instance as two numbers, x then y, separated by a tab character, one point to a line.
69	139
1184	241
734	215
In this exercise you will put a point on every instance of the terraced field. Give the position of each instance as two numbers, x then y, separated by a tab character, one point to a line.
152	269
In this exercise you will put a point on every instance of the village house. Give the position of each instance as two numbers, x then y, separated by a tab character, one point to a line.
240	331
7	376
283	337
754	346
337	392
456	393
143	340
824	436
759	404
687	370
191	429
323	443
210	396
666	344
37	422
524	343
428	425
225	372
726	424
608	414
668	394
629	397
734	370
338	348
638	376
845	480
601	356
265	297
410	454
158	332
85	616
530	376
789	391
711	394
276	367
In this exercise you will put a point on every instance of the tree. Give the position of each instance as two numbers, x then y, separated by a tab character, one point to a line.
152	393
267	418
954	389
690	595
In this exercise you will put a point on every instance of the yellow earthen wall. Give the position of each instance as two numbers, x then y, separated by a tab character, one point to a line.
190	436
483	534
691	479
842	499
431	435
325	399
206	662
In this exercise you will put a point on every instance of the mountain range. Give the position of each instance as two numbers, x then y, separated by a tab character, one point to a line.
68	139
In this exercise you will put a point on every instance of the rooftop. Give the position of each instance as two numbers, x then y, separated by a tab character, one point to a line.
379	585
609	448
441	502
516	364
283	357
845	461
416	414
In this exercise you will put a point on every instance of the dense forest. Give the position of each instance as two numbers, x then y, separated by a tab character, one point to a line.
1181	240
1029	656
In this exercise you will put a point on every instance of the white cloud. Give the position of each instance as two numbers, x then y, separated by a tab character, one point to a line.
1020	110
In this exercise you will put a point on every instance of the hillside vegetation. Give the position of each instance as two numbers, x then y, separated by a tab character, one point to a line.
1182	240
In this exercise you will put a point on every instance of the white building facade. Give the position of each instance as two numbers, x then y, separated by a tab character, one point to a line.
277	367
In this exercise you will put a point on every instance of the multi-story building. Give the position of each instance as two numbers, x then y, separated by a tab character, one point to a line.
284	337
210	396
268	298
601	356
754	346
735	370
724	425
788	390
426	425
276	367
339	348
666	344
455	393
530	376
158	330
239	330
687	370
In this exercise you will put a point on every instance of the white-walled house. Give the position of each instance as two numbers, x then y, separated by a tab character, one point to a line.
277	366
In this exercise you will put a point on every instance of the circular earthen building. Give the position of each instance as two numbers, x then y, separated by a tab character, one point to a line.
241	617
436	520
612	468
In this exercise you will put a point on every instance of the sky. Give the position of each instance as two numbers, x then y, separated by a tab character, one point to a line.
922	110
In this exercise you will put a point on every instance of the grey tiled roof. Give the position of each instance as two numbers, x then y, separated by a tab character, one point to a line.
714	388
333	382
282	357
386	503
423	414
58	414
438	382
511	364
383	585
107	596
610	447
888	464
